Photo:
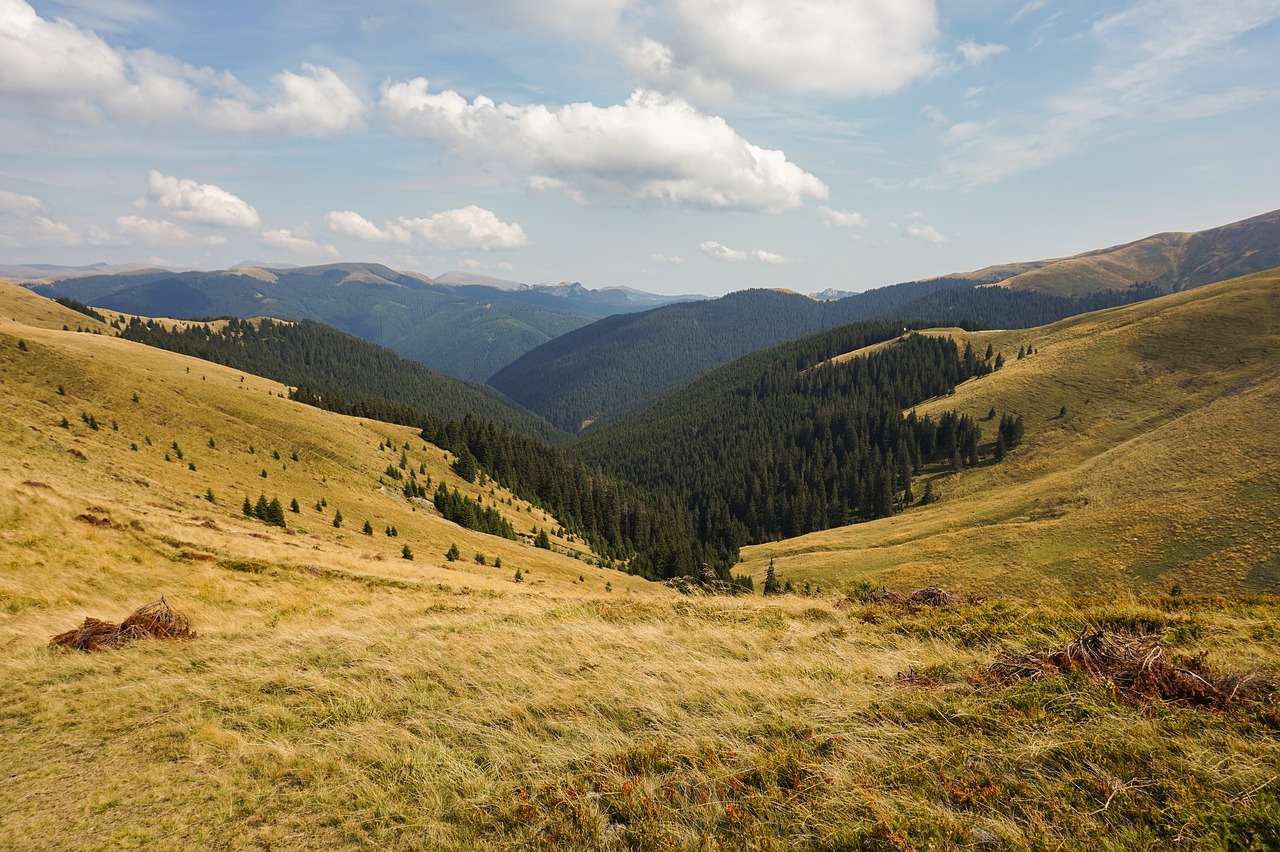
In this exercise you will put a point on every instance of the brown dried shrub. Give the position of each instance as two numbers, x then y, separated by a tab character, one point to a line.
1140	670
156	620
935	596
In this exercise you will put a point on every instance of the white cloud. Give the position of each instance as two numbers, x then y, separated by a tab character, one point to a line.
69	70
674	260
925	233
351	224
299	242
976	54
1159	59
711	248
159	233
316	102
464	228
469	227
542	183
838	47
13	204
842	218
653	147
202	203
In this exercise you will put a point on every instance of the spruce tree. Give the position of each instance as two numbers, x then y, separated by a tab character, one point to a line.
452	553
406	553
771	584
367	529
248	508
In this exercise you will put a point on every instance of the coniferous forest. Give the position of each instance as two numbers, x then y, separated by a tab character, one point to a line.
785	442
776	444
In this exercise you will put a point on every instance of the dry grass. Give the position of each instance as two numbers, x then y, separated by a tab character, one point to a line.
342	697
1162	473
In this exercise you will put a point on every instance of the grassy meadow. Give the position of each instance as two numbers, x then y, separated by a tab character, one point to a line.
341	696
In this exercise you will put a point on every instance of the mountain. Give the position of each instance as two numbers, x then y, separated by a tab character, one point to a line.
615	366
1162	471
464	330
1169	261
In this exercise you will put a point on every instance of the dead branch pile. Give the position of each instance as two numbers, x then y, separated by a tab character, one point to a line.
156	620
882	596
1139	669
935	596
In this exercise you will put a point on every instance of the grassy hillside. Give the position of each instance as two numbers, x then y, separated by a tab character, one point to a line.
339	696
1171	261
1162	471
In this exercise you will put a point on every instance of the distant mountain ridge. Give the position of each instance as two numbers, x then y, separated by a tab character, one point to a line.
1171	261
464	329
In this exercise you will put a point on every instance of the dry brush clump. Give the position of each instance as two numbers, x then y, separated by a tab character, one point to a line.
1140	670
157	620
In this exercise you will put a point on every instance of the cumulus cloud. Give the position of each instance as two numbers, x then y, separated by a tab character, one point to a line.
842	218
711	248
13	204
925	233
300	242
159	233
316	102
976	54
351	224
202	203
58	66
26	225
838	47
674	260
460	229
653	147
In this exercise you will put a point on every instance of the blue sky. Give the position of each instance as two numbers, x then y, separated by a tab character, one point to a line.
668	145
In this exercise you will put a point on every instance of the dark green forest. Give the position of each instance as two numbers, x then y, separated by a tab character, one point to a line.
311	354
619	365
781	443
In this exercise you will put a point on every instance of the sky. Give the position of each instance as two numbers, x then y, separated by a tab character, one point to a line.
673	146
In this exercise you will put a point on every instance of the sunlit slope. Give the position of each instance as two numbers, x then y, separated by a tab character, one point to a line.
91	524
1164	470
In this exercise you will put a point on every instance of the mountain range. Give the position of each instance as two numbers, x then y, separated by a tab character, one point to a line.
457	327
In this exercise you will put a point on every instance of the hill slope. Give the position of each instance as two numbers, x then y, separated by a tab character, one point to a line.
1170	261
338	695
1164	469
463	331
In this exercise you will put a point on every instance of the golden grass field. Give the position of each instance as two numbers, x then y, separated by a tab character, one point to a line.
339	696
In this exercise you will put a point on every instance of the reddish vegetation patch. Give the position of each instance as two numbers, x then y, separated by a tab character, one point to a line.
32	484
154	621
94	520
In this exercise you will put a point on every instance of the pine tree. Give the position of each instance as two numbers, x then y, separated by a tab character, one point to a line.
294	507
208	495
337	518
452	554
406	553
519	577
248	508
367	529
543	540
771	584
275	513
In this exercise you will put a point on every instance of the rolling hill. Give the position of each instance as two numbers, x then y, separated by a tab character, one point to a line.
463	330
1162	471
339	695
1169	261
